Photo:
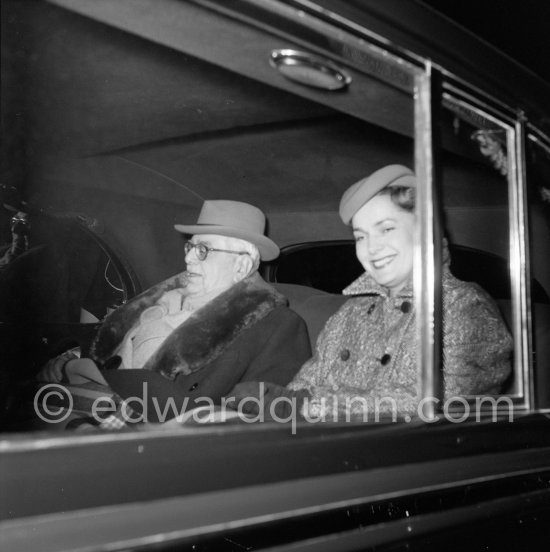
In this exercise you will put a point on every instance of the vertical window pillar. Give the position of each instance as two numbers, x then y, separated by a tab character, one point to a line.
519	265
427	281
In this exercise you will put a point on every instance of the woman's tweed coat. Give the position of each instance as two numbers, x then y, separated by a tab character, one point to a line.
367	350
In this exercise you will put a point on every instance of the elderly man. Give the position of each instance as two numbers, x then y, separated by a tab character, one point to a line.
197	334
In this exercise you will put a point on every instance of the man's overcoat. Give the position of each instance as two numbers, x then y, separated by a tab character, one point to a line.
247	333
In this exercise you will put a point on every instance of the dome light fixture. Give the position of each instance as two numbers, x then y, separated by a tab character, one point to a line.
309	70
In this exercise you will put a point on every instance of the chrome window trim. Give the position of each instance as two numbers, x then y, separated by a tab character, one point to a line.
519	257
425	251
498	114
342	22
538	137
514	125
468	92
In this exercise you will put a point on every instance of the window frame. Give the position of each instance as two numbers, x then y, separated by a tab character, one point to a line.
513	121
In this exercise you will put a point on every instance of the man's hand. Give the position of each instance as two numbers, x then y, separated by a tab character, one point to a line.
268	400
52	371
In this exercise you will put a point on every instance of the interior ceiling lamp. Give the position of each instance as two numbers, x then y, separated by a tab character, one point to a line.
309	70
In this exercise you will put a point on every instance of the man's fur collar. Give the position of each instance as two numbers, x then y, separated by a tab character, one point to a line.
203	336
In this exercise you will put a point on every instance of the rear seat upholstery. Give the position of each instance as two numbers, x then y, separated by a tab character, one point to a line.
541	347
313	305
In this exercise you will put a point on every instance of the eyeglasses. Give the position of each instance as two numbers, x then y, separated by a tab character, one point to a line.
202	250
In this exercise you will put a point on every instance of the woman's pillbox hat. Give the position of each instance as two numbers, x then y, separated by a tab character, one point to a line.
359	193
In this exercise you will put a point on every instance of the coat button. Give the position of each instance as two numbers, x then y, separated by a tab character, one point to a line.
406	307
345	354
385	359
193	387
371	308
112	363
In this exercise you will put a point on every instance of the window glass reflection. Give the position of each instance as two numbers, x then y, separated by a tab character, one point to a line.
54	271
474	198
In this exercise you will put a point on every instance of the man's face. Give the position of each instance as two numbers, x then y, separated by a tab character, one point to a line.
216	272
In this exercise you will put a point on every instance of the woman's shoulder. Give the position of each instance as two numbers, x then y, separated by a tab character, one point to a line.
458	294
354	308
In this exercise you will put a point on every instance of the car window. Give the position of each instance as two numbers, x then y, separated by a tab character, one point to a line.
478	187
40	280
282	125
286	125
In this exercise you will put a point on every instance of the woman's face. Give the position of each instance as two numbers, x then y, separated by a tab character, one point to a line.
384	242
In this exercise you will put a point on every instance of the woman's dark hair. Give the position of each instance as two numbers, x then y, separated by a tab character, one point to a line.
403	196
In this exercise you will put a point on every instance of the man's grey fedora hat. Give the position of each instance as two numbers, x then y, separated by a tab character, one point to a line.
233	219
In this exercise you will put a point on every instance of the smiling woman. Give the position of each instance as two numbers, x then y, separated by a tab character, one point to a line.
381	212
366	361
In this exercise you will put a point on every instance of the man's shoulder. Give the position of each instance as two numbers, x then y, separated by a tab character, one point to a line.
281	314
